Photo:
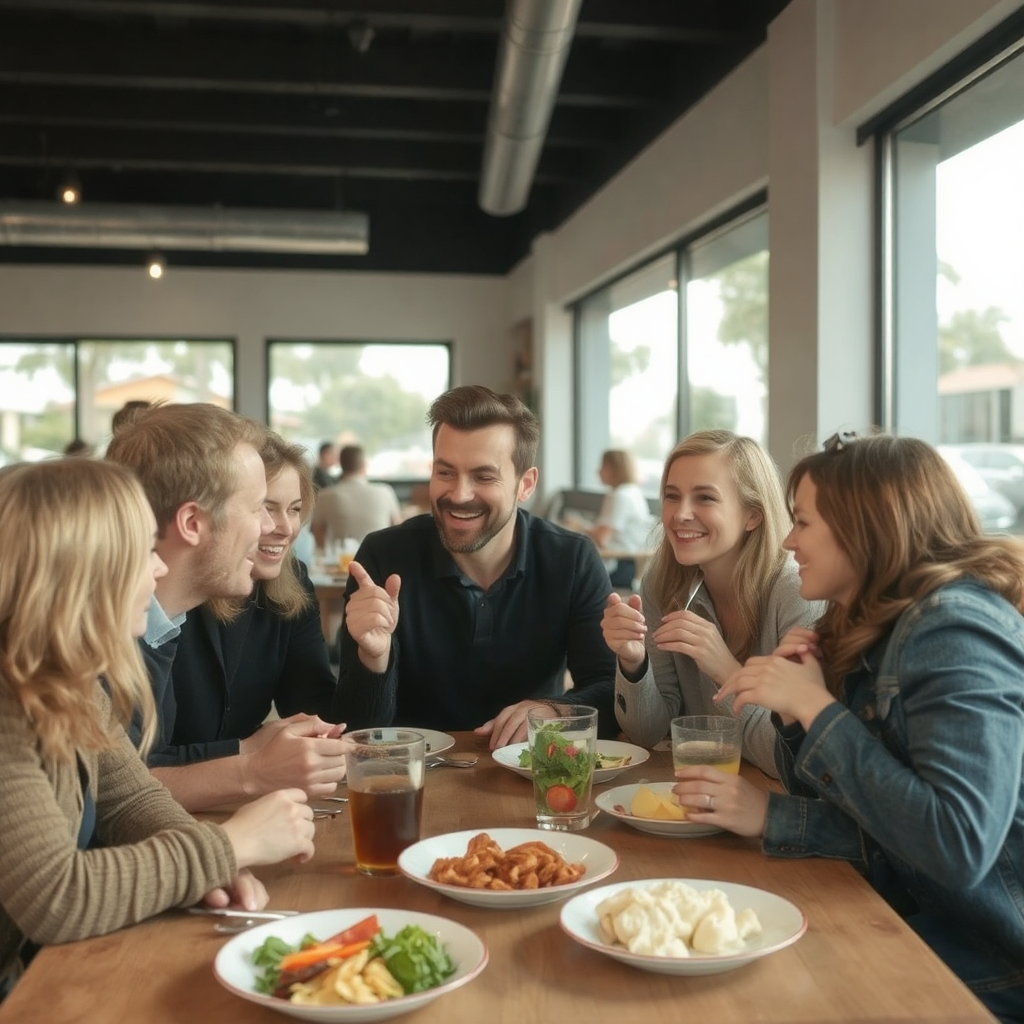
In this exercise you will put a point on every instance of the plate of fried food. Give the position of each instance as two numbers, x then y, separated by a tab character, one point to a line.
652	807
613	758
350	966
507	867
682	925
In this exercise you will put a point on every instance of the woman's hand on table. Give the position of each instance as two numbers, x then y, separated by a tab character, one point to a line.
719	798
690	634
794	690
271	829
624	629
245	891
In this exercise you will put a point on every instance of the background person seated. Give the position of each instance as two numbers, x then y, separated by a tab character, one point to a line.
624	522
354	506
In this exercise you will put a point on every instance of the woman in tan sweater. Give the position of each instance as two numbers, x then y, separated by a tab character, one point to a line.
89	840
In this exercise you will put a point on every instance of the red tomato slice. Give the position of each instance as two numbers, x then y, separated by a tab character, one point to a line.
359	932
560	799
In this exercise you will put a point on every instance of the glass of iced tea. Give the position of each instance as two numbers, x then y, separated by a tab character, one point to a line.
714	741
385	796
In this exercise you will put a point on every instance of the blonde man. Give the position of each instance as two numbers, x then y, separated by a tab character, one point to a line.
201	469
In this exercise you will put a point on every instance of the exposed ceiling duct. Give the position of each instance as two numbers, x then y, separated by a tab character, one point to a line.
125	226
534	46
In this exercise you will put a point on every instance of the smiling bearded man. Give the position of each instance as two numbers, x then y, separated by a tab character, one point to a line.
495	603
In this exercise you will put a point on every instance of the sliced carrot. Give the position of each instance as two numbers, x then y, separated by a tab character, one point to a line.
365	929
324	951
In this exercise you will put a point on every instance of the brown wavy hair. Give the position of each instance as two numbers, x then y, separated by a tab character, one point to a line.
899	514
75	538
761	556
473	407
285	595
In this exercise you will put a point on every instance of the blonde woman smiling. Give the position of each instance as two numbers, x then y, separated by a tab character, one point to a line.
719	588
89	840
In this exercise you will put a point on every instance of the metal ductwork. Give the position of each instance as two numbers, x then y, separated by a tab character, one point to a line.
116	226
534	46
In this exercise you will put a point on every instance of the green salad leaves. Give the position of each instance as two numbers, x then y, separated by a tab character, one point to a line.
416	960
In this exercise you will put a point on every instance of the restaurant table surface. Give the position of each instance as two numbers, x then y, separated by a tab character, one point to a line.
857	961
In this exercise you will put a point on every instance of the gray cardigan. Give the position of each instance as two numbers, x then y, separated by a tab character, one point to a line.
672	684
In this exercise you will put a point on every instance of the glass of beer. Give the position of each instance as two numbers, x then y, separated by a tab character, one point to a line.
385	793
711	740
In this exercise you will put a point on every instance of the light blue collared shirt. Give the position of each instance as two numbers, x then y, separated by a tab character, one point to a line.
159	628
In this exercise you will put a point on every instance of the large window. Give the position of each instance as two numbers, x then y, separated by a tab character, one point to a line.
680	344
55	390
953	265
373	395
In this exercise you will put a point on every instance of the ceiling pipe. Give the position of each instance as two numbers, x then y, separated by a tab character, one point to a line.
534	46
110	226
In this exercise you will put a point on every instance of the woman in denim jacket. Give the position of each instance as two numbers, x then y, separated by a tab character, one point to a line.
901	721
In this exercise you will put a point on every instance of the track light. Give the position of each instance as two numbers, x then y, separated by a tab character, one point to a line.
156	266
70	191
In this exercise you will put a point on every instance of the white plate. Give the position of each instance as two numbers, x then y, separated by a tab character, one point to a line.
617	801
416	861
436	741
782	923
234	969
508	757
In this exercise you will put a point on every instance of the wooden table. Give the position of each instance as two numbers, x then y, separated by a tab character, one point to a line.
857	962
330	593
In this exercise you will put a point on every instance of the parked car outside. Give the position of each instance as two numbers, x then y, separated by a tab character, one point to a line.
1002	466
995	510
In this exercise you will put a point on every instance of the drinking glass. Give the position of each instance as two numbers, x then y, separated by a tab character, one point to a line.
711	740
562	754
385	792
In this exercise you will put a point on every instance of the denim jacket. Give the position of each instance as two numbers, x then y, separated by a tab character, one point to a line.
919	771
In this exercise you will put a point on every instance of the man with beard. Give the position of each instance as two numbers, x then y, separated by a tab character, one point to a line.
495	603
201	470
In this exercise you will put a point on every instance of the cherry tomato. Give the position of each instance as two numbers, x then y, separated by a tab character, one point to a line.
560	799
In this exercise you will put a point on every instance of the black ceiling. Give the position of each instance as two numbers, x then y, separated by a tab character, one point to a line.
268	103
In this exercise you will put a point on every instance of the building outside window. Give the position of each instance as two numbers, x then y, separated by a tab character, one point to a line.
677	345
952	265
54	390
375	395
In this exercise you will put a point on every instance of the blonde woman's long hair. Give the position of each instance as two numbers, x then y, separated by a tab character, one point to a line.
285	594
761	556
899	514
75	540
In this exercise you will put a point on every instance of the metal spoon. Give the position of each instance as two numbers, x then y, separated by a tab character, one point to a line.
438	760
695	584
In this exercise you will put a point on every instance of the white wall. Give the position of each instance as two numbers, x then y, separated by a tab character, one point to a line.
251	306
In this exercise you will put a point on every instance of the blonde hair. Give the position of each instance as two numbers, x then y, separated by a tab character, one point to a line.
620	465
184	453
899	514
761	556
285	594
75	539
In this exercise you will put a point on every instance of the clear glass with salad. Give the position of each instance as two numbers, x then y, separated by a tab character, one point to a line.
563	750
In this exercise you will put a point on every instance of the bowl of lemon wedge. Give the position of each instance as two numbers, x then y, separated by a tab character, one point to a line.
651	807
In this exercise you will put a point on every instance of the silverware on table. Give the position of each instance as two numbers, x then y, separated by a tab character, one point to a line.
255	915
439	760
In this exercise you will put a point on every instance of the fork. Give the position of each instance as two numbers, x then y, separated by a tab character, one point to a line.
439	760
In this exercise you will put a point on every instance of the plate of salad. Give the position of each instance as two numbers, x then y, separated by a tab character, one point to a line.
613	758
326	966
